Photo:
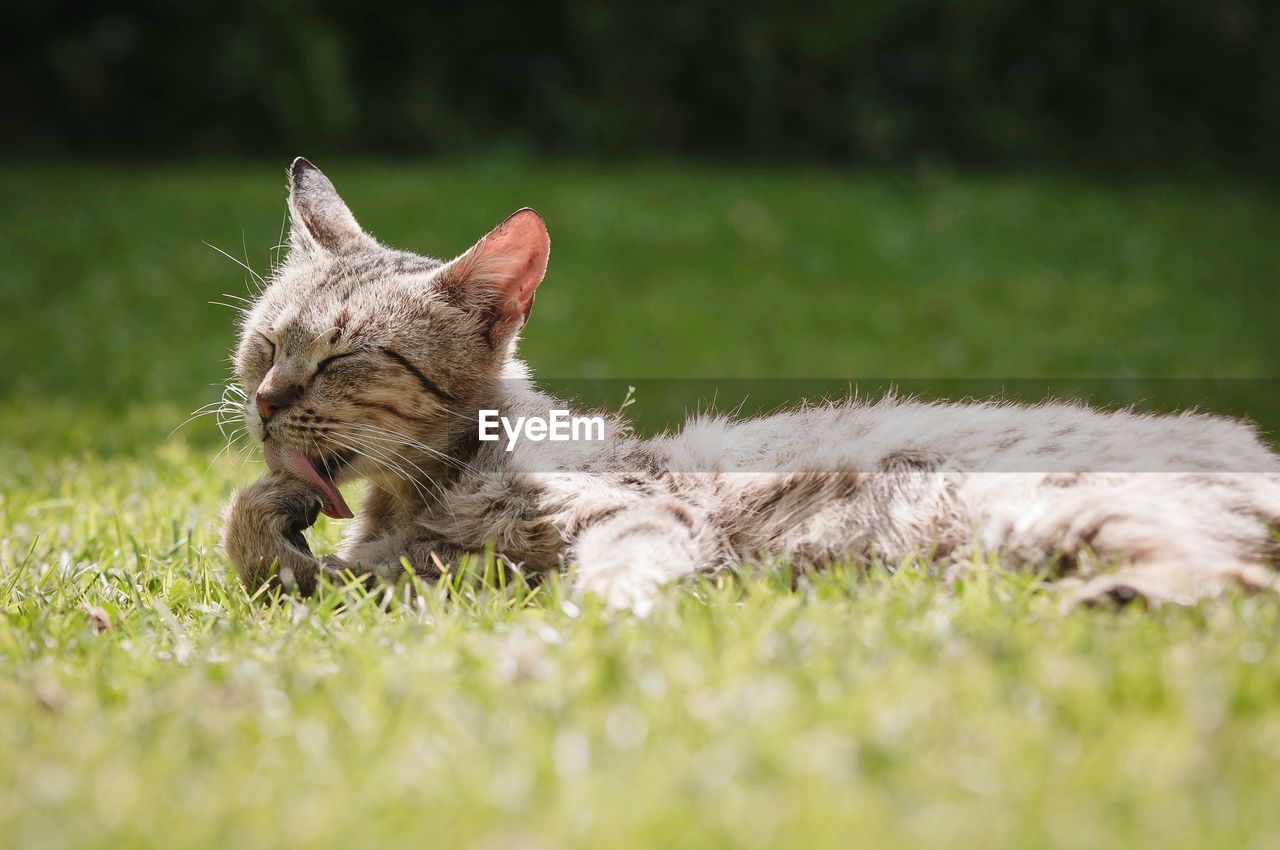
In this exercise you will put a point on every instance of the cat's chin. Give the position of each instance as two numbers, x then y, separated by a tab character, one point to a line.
318	472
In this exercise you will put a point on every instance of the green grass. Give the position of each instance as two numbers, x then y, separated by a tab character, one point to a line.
852	711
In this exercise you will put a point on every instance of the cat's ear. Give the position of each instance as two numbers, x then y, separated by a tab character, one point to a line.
319	220
498	276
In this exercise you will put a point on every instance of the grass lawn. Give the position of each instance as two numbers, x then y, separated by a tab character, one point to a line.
851	711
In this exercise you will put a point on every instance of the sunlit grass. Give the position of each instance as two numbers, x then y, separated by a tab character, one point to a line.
897	709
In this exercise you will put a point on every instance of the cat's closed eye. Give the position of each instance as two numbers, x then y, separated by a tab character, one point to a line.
325	363
271	346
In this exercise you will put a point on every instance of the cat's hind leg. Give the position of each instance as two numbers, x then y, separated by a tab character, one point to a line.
1182	582
1162	538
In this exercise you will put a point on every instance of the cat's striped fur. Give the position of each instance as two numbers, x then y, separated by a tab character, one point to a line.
374	362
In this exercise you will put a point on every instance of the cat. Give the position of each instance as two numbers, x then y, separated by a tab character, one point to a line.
359	361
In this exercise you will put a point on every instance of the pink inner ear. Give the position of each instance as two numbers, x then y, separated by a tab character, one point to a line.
519	248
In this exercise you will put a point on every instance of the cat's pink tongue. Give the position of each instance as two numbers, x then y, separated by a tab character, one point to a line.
294	461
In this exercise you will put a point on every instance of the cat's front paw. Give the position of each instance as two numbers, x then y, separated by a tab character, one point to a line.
627	571
621	584
263	533
626	559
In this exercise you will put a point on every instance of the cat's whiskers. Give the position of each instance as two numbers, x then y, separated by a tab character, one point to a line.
366	435
220	408
228	411
233	307
412	443
233	399
428	479
273	253
464	417
244	246
235	438
234	390
382	462
385	451
242	308
259	282
381	456
200	414
435	485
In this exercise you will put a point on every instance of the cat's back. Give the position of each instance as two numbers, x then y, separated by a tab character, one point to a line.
986	436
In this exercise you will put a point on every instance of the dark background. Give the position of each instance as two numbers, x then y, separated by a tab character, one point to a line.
1148	85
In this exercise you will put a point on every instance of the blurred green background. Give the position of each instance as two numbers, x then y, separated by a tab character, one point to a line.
1080	194
665	271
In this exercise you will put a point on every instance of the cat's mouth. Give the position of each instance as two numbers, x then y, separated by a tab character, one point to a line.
318	471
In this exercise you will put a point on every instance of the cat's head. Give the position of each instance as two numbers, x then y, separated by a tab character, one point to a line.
359	360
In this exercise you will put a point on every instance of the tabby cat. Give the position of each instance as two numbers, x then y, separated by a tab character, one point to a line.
359	361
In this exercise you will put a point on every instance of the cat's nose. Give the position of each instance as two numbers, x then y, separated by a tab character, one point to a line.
266	409
271	400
